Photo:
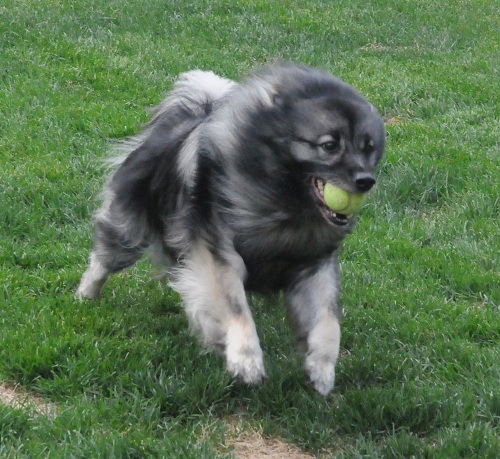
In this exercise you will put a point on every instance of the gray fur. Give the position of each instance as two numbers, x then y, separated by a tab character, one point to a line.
223	185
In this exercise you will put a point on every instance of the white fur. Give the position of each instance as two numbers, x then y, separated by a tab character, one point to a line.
187	157
92	280
214	86
210	290
195	88
311	303
323	343
243	352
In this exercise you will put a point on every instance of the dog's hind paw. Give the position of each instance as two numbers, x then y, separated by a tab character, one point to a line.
92	280
88	290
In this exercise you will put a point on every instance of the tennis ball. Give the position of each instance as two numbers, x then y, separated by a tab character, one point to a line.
341	201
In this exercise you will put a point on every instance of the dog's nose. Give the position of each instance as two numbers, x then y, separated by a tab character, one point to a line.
364	181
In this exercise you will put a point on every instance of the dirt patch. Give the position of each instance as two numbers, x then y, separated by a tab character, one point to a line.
17	398
246	443
394	120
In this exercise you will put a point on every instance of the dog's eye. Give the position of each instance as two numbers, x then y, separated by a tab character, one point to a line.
368	149
368	146
331	146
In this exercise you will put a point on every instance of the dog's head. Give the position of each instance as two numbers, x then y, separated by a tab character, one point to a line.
309	128
341	137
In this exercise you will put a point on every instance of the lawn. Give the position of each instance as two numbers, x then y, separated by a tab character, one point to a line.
419	373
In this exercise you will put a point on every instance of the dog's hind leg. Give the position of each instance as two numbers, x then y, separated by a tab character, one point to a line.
215	302
313	309
116	247
93	279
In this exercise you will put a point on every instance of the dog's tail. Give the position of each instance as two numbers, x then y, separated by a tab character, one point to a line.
154	172
192	96
197	91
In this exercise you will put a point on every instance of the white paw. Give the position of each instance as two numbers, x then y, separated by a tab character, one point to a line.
243	353
88	291
247	366
323	343
321	371
92	280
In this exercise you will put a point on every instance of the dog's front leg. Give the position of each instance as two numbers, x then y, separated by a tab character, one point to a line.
215	301
313	308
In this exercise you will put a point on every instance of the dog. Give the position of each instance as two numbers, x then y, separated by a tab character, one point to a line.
225	187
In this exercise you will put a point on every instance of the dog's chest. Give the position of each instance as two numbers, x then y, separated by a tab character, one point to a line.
272	257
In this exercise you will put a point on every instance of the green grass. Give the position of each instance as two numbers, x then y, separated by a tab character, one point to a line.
419	374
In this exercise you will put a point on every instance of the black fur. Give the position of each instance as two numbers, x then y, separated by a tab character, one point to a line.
224	185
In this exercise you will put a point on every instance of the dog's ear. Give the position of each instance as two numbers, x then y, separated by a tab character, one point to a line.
281	104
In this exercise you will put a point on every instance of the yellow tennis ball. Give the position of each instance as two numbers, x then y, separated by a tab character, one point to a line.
341	201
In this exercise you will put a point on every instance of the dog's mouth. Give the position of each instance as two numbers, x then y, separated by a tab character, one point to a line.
334	218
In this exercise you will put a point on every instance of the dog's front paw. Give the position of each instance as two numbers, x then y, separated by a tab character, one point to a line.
247	366
323	345
243	354
321	371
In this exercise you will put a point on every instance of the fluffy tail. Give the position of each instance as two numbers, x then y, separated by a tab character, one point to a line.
193	95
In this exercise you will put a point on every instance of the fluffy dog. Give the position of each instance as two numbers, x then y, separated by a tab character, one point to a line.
225	186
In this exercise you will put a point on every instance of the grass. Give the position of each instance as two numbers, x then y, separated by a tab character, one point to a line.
419	374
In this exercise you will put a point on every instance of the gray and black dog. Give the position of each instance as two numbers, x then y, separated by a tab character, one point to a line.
225	187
